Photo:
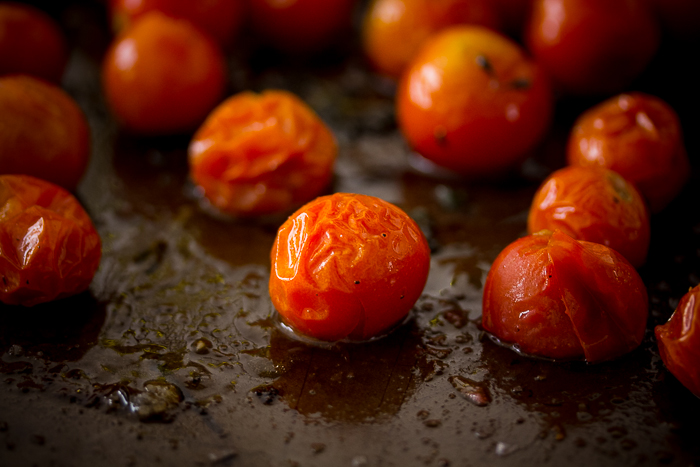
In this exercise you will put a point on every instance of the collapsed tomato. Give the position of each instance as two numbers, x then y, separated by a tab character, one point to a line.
556	297
347	266
679	341
596	205
639	137
49	248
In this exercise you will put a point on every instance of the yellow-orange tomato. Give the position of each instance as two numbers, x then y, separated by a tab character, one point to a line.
162	75
31	42
347	266
43	132
638	136
394	30
471	101
262	154
596	205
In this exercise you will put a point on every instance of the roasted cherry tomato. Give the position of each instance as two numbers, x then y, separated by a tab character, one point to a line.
162	75
49	248
43	132
471	101
679	341
596	205
394	30
638	136
347	266
262	154
552	296
592	46
31	42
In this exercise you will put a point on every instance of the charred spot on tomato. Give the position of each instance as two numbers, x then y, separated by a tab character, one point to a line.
485	64
521	84
440	135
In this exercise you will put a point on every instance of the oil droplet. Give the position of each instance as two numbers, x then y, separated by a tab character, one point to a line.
202	346
474	392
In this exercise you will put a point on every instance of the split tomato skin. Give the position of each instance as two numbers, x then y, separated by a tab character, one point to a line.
556	297
347	266
49	248
596	205
679	341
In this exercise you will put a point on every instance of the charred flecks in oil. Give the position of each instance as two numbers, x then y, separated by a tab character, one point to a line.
485	64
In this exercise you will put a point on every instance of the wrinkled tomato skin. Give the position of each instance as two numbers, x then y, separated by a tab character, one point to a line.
394	30
262	154
43	132
347	266
555	297
49	248
162	75
592	46
595	205
679	341
638	136
472	102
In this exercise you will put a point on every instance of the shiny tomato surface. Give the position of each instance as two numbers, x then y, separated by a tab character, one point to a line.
347	266
553	296
473	102
43	132
49	248
162	75
679	341
638	136
596	205
262	154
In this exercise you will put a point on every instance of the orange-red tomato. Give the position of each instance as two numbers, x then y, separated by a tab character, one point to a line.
596	205
638	136
394	30
471	101
552	296
43	132
592	46
262	154
162	75
679	341
347	266
49	248
31	42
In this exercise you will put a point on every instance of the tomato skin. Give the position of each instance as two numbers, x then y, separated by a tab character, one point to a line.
638	136
49	248
595	205
43	132
556	297
472	102
679	341
347	266
31	43
162	75
262	154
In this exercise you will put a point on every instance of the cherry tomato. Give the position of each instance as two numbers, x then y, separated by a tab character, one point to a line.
49	248
394	30
552	296
596	205
592	46
639	137
679	341
162	75
31	42
261	154
347	266
43	132
471	101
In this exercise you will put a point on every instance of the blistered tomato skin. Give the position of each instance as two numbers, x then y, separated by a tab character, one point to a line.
472	102
49	248
595	205
553	296
262	154
679	341
347	266
638	136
